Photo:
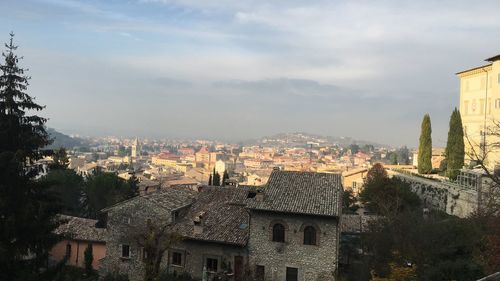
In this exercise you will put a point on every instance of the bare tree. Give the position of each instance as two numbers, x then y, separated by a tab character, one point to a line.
155	238
480	154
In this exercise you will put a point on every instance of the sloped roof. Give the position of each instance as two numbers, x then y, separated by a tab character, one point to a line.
169	198
225	219
301	193
80	229
493	58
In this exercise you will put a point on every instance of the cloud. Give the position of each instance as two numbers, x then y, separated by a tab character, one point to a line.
361	68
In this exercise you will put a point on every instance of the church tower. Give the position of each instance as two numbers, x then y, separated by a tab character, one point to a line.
135	149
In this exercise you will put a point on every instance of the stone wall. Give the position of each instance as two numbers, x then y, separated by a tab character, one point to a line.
195	254
124	220
443	196
314	262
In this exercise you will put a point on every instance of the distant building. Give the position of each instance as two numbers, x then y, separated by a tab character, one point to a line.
206	159
480	107
135	149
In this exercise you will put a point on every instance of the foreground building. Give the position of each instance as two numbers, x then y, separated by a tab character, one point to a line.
286	230
480	108
78	234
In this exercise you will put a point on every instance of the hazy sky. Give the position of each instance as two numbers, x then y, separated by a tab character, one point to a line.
242	69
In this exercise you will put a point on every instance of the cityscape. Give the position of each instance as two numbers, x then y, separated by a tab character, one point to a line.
158	140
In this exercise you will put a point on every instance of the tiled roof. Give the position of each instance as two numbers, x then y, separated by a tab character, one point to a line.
169	198
225	219
301	193
80	229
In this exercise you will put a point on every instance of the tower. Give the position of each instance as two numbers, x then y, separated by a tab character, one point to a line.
135	148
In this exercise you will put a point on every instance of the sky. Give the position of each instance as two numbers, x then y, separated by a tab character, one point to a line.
234	70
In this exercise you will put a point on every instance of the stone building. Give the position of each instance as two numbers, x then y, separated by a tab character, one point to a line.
294	227
285	230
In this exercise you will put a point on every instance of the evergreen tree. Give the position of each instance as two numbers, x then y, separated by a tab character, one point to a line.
455	146
89	258
60	159
27	207
225	176
216	179
425	147
210	180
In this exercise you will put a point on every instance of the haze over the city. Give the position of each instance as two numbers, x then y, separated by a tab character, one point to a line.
243	69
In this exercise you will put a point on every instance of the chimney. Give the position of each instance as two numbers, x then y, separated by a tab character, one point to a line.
260	196
198	223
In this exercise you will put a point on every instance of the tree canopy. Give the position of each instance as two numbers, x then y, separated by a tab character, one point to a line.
27	207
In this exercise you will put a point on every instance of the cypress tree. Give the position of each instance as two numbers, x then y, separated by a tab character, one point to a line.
27	208
425	147
210	180
216	179
225	176
455	146
89	258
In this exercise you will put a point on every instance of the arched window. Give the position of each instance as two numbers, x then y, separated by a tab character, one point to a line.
309	235
278	233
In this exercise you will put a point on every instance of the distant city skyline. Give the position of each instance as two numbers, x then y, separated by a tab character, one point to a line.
236	70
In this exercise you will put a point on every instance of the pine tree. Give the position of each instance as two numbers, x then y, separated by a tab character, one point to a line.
455	146
27	208
425	147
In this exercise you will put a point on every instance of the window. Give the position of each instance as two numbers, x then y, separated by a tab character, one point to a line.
278	233
177	258
292	274
466	107
212	265
260	273
125	251
498	78
68	250
309	235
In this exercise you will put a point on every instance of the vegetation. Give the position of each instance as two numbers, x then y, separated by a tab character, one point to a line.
27	207
67	185
102	190
407	244
455	146
89	258
425	147
155	239
225	177
165	276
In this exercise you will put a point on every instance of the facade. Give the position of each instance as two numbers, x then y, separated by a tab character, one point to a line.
294	228
78	234
232	231
480	107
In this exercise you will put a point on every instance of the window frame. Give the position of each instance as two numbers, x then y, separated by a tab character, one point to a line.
312	238
67	253
216	264
276	236
172	260
122	249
